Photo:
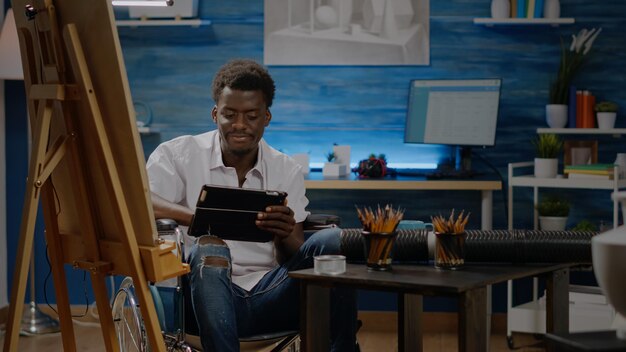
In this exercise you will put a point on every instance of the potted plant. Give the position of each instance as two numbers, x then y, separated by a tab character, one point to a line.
332	168
553	212
606	112
547	146
570	63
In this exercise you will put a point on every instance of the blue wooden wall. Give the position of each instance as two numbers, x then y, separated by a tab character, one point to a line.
171	68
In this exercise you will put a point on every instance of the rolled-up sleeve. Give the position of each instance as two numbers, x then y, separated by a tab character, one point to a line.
163	178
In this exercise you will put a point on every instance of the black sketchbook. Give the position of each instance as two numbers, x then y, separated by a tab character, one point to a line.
230	212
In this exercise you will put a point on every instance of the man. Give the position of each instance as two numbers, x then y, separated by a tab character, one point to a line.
242	288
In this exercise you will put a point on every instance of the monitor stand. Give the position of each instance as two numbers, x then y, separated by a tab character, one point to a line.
462	170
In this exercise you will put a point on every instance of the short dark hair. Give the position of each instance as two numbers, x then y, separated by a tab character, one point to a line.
244	74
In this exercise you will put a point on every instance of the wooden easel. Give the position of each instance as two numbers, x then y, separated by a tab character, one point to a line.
86	165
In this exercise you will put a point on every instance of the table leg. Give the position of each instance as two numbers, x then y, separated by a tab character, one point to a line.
557	302
486	210
314	318
473	320
410	322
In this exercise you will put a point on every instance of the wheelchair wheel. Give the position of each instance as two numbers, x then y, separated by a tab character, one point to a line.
129	328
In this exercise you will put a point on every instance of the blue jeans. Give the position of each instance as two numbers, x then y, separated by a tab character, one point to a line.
225	311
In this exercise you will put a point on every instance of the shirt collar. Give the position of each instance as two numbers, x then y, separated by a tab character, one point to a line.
218	161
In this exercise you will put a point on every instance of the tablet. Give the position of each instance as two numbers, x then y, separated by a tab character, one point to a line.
230	212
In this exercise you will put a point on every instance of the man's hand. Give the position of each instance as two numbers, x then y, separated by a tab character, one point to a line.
288	235
277	219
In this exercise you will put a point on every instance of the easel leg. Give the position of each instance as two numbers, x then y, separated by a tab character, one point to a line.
27	230
58	271
98	282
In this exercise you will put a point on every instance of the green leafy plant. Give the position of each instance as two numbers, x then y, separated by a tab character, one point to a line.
585	225
571	61
606	106
553	206
548	146
331	157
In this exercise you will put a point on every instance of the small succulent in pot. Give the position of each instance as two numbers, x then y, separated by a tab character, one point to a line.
606	106
553	206
548	146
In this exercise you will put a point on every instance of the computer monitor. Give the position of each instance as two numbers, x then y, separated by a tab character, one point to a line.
461	113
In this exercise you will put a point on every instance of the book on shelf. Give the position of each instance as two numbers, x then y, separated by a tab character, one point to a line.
579	109
589	176
530	10
598	171
538	8
521	8
571	108
513	8
597	167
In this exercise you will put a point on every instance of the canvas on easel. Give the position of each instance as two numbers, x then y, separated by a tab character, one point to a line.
86	165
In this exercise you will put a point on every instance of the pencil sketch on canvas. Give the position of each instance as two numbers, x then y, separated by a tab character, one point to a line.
347	32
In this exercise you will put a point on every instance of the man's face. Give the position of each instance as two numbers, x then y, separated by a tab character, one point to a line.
241	117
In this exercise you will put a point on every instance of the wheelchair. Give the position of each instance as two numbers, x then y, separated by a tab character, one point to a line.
129	326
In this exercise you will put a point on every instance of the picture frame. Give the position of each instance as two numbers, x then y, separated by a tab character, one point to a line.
580	152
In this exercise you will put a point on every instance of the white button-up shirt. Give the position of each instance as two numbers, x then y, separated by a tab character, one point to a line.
178	169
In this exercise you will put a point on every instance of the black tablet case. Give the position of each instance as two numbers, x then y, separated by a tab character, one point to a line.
230	212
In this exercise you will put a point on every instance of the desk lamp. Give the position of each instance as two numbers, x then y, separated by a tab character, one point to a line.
34	321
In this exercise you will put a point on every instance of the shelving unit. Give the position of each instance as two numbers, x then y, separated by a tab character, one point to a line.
574	183
193	22
586	131
528	317
488	21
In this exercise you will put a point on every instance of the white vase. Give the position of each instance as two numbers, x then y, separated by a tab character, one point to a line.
620	161
556	115
552	9
552	223
546	168
606	120
608	254
500	9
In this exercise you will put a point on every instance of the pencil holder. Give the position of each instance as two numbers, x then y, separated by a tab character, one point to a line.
449	250
378	250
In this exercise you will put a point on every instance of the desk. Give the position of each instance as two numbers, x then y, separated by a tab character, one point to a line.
411	282
315	180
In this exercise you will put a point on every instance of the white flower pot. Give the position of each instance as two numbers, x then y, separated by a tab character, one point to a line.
552	9
556	115
606	120
546	168
552	223
500	8
334	170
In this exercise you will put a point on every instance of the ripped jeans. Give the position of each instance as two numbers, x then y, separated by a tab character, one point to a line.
225	311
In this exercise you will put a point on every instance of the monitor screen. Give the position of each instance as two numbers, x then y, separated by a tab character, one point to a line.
453	112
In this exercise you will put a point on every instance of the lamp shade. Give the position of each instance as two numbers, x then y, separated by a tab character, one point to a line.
10	59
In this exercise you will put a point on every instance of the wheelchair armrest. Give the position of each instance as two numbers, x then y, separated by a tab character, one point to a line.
166	224
316	222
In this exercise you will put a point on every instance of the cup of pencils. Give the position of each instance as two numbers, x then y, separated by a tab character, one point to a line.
379	233
450	241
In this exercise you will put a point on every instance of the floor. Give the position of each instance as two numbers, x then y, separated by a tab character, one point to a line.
377	334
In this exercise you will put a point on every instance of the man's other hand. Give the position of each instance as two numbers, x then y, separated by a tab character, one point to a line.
277	219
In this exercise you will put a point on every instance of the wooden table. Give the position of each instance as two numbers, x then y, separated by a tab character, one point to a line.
411	282
315	180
